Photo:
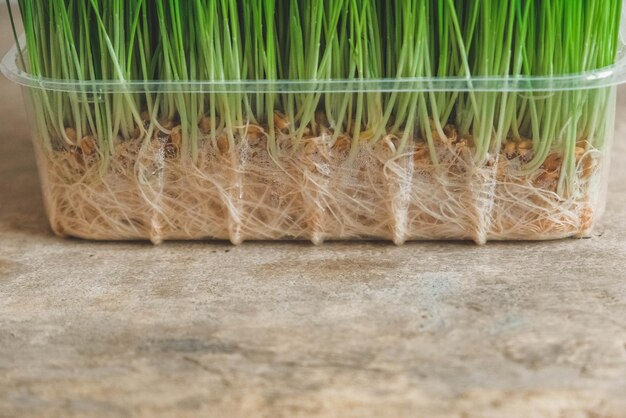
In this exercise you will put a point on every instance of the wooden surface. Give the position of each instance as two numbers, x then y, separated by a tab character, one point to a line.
292	330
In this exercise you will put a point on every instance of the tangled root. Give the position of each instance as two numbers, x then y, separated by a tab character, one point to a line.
314	189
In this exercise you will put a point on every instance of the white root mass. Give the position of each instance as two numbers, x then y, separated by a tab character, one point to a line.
312	190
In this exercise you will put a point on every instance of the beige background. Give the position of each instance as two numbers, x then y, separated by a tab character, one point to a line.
292	330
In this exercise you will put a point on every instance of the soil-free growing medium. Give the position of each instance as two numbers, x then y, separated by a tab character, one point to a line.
321	119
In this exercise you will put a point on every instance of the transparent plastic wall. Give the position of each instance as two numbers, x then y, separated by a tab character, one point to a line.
259	172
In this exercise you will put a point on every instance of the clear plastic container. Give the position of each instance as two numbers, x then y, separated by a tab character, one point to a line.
316	185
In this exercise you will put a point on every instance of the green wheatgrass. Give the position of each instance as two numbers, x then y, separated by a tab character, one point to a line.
230	40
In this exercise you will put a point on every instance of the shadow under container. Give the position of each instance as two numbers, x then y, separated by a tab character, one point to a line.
533	165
